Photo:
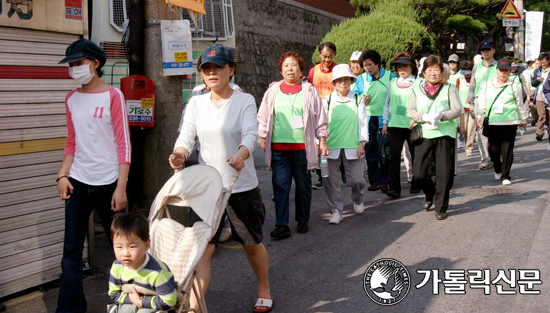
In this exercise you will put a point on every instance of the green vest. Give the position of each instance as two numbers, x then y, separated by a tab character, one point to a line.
454	77
287	107
343	124
378	91
399	101
506	98
483	75
463	92
440	103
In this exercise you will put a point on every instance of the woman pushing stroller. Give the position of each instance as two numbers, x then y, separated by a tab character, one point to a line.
225	122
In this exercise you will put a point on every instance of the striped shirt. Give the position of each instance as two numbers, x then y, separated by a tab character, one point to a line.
153	274
98	135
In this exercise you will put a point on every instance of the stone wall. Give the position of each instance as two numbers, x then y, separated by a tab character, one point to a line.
264	30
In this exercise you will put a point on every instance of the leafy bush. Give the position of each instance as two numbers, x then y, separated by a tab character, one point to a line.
392	27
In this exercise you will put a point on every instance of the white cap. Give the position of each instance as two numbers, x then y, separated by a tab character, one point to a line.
341	70
478	58
355	56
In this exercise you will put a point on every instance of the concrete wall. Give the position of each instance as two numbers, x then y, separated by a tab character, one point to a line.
265	29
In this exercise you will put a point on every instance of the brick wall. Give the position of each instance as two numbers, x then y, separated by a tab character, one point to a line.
264	30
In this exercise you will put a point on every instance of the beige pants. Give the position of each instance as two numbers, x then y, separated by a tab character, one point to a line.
469	123
543	117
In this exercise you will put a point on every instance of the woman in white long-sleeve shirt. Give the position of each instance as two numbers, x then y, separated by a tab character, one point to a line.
224	121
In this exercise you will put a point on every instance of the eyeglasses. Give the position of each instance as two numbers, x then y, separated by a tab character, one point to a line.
433	71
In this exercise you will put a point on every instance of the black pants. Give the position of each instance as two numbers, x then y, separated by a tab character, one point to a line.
501	148
396	138
436	157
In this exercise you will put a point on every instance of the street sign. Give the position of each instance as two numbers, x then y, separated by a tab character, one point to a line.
510	23
510	10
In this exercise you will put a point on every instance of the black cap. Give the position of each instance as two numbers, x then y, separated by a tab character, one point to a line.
403	60
84	49
217	54
504	64
487	45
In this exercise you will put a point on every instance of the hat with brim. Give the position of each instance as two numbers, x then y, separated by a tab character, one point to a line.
403	60
355	56
218	54
341	70
487	45
453	57
504	64
84	49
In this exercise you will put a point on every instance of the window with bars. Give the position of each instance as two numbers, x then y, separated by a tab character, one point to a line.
218	21
118	13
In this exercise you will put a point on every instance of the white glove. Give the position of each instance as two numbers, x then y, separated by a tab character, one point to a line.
438	116
429	118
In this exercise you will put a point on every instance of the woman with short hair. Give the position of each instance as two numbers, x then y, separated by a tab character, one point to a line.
436	107
291	118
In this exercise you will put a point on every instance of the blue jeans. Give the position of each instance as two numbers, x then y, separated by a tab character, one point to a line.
84	199
287	165
376	168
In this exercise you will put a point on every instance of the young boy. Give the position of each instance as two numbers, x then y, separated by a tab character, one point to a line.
134	265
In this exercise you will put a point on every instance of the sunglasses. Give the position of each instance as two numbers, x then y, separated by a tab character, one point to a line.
453	62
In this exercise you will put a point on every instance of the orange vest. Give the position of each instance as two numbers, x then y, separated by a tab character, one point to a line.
321	81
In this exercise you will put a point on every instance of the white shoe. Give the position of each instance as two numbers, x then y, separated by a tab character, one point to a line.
469	154
498	176
226	235
359	208
461	144
506	182
409	179
336	217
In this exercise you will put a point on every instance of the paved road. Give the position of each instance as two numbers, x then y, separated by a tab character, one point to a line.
489	227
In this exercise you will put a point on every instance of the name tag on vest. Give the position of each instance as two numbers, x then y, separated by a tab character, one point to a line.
296	122
499	108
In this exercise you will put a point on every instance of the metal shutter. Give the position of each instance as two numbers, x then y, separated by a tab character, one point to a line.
32	138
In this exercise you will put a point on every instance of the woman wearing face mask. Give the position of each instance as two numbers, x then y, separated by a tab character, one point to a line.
436	107
396	122
94	171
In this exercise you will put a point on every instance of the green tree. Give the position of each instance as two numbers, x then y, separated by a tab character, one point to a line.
453	21
389	29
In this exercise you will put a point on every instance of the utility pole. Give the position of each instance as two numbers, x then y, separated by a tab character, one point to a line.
519	35
136	60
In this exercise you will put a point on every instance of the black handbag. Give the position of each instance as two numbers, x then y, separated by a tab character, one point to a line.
416	135
486	130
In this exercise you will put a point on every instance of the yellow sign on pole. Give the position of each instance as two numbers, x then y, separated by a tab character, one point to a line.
193	5
510	10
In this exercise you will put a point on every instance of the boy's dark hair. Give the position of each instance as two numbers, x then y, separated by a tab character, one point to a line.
545	56
372	55
329	45
466	65
127	224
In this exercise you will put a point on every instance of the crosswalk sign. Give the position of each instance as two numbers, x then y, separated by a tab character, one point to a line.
510	10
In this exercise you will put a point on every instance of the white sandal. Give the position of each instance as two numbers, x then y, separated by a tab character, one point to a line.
263	302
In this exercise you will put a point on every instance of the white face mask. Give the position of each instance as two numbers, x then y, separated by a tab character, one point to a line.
81	73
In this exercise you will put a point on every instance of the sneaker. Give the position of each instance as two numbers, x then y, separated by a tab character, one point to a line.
538	137
226	235
280	232
373	187
384	188
498	176
484	165
318	186
359	208
409	179
461	144
506	182
336	217
469	154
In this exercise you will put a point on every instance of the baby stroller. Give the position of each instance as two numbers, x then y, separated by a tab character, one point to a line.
181	248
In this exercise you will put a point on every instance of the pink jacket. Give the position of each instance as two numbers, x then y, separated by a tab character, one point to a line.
314	117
